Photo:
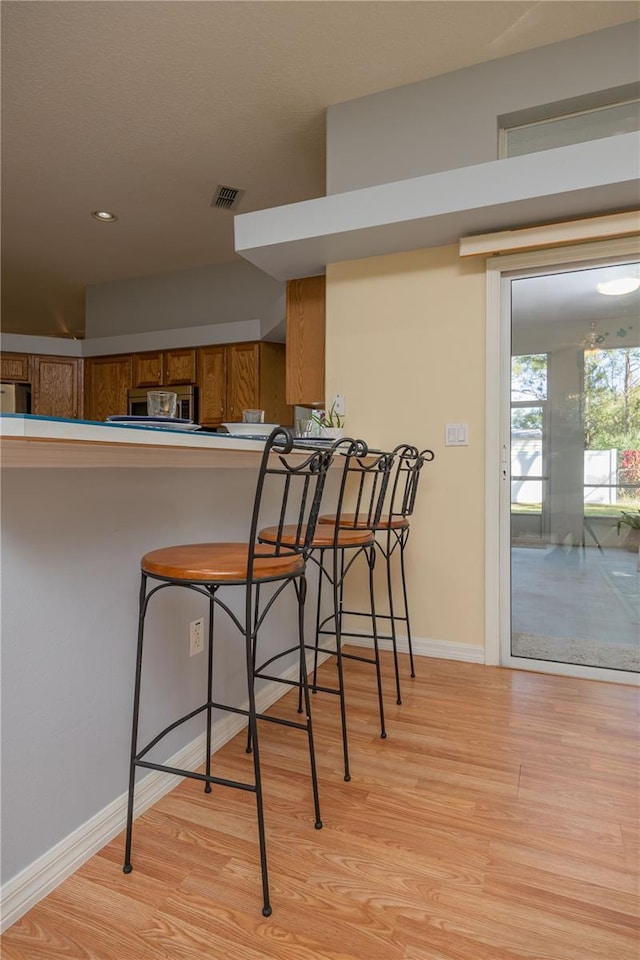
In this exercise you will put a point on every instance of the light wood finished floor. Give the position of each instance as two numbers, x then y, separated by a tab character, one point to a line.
499	820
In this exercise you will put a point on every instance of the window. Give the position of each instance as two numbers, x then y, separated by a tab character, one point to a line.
517	139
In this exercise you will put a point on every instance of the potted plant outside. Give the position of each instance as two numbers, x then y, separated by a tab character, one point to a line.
330	424
630	520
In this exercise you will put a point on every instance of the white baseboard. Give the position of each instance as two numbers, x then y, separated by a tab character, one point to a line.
439	649
23	891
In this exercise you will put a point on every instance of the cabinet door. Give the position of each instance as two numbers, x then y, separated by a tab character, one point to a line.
211	386
107	384
15	366
179	367
305	340
56	387
242	379
147	369
272	384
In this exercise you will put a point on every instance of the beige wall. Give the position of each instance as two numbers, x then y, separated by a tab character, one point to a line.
405	345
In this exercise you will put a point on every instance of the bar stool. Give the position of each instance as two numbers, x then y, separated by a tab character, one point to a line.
335	548
295	482
391	531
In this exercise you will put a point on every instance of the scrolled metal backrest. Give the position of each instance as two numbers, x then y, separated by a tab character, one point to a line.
409	463
291	483
363	486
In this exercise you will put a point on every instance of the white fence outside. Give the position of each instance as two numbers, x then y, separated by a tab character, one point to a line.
600	471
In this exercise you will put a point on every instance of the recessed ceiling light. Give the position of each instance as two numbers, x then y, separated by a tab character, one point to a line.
103	215
617	288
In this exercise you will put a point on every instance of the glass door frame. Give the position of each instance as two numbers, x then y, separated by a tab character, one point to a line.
501	270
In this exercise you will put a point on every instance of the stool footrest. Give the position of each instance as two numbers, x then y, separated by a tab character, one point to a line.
188	716
258	675
354	656
368	636
222	781
379	616
281	720
278	656
318	689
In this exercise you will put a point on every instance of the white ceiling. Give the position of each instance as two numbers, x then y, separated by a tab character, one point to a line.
556	310
143	108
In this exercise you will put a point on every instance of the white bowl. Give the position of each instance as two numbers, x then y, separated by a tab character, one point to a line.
250	429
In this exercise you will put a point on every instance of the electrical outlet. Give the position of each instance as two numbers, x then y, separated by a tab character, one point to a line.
196	636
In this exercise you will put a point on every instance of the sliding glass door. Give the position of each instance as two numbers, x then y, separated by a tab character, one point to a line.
574	457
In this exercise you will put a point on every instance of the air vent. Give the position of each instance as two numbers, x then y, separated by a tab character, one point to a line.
227	198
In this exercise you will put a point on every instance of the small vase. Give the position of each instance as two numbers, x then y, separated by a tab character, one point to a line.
331	433
632	540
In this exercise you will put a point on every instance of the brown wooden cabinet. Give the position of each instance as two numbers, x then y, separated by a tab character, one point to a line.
107	383
305	340
212	385
56	386
242	376
256	379
164	368
15	367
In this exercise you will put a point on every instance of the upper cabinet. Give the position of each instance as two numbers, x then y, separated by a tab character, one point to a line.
15	367
230	378
56	382
242	376
164	368
305	341
107	381
212	385
56	387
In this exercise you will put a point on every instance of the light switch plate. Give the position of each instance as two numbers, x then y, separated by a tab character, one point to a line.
456	435
340	404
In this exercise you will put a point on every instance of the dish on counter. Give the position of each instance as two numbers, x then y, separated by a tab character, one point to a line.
314	441
158	423
255	431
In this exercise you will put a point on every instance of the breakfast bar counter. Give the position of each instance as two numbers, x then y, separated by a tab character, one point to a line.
30	441
78	513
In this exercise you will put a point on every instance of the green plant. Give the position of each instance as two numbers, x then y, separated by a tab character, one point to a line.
628	519
330	418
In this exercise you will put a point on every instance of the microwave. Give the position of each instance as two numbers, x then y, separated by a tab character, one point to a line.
187	407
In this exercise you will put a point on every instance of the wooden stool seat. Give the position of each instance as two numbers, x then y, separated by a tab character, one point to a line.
219	563
323	538
350	519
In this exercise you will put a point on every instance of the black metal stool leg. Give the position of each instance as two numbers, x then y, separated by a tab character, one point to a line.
387	554
304	691
321	573
253	733
127	868
207	770
371	559
406	603
301	594
337	581
254	648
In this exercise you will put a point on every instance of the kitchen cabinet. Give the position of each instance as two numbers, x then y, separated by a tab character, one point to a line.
256	380
56	386
164	368
241	376
305	320
212	385
15	367
107	382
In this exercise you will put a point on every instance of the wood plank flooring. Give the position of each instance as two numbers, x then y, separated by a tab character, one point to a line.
498	821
